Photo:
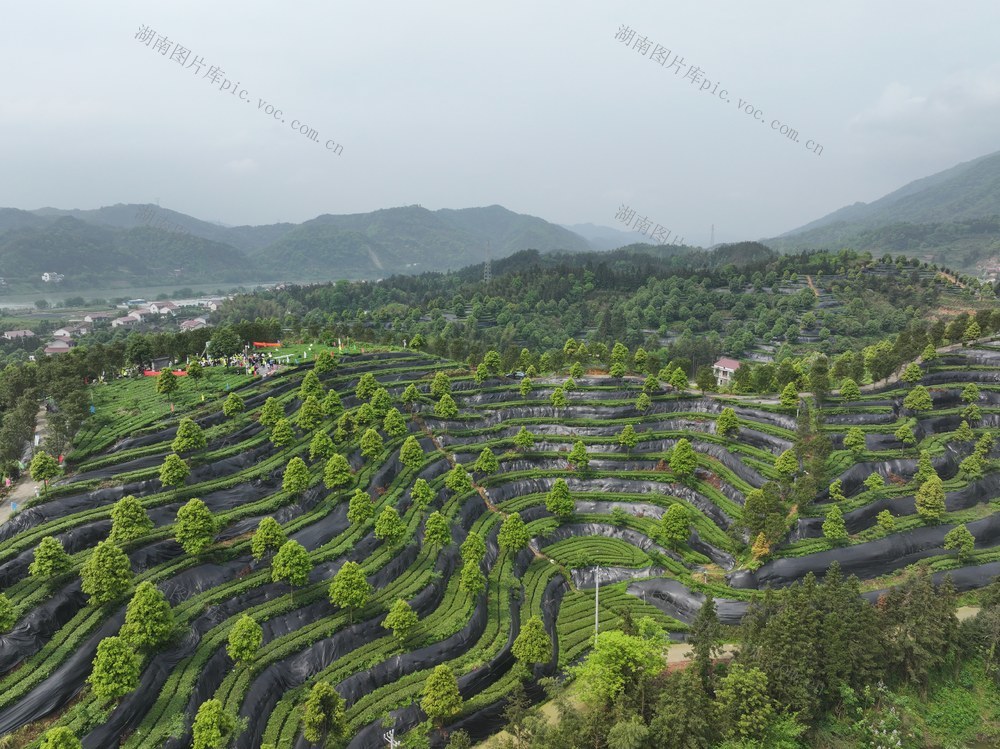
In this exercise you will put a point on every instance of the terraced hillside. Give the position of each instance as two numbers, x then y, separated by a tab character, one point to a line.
614	530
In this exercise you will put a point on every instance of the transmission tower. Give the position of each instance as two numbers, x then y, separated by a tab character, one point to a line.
488	265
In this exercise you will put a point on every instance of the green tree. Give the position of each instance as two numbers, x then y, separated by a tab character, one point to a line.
393	423
441	699
705	639
854	440
960	539
628	437
129	520
245	639
446	408
331	403
196	526
905	435
366	386
233	405
524	440
578	457
437	530
349	588
532	644
268	537
51	559
833	526
401	619
837	491
189	438
440	385
8	616
291	564
337	471
745	709
619	664
323	714
282	434
970	393
704	379
310	413
213	727
912	374
930	500
106	574
886	521
849	390
60	738
270	412
473	548
558	398
789	396
683	459
296	478
359	509
481	373
116	669
166	383
972	333
149	619
875	483
365	415
458	479
381	402
972	413
675	526
321	446
650	385
410	395
918	399
679	379
972	466
389	527
44	468
727	424
787	464
487	462
513	533
559	501
421	494
925	469
964	433
929	353
325	363
471	578
525	386
411	454
576	370
310	386
643	403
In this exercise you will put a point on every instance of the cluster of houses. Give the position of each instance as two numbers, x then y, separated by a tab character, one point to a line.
137	312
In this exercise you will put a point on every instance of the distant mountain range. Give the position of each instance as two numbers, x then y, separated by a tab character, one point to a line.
951	218
144	244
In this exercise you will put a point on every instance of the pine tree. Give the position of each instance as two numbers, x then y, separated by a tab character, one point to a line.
854	440
437	530
366	386
837	491
393	423
912	374
446	407
129	520
905	435
244	640
116	669
349	588
513	534
578	457
925	468
487	462
269	537
106	574
849	390
930	500
441	699
359	509
337	471
628	437
458	479
786	465
789	396
401	619
321	446
745	708
532	644
196	526
705	639
886	522
559	501
310	414
964	433
389	527
918	399
524	440
310	386
331	403
51	559
834	528
149	620
291	564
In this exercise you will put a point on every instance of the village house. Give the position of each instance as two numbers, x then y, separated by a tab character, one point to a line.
13	335
163	308
194	324
724	369
93	317
126	321
59	346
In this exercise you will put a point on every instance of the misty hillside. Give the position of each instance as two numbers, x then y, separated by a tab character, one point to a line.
138	244
952	217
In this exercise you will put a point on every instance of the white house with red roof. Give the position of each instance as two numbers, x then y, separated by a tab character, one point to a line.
724	369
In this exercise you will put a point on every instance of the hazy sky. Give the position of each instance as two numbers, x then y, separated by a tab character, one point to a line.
532	105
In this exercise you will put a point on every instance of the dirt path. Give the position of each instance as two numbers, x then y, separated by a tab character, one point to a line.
809	280
24	487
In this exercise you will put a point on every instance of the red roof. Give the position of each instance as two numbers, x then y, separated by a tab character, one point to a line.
725	363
